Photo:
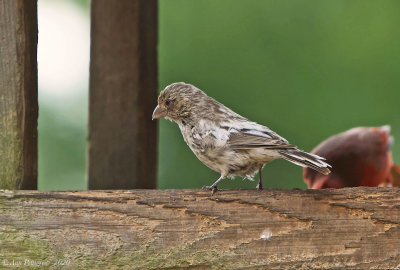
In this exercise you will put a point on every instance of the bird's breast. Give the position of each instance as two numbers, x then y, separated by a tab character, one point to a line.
207	145
210	145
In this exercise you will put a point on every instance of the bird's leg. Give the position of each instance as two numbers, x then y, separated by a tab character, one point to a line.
259	186
213	187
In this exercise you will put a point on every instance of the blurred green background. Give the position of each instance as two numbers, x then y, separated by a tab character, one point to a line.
306	69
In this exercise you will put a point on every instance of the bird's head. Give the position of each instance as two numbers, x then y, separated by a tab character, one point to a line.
177	101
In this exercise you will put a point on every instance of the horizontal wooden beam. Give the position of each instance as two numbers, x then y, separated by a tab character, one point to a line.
357	228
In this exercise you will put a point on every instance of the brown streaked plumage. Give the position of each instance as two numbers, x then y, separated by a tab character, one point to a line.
225	141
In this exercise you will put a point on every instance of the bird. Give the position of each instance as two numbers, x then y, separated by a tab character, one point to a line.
225	141
361	156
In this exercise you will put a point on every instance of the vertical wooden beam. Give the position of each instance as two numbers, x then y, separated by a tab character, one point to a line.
123	93
18	94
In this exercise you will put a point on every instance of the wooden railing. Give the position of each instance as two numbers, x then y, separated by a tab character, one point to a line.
357	228
352	228
122	139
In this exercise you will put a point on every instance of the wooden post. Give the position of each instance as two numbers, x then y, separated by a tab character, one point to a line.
18	94
351	228
123	93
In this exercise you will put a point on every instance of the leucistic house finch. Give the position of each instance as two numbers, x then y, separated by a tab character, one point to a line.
361	156
225	141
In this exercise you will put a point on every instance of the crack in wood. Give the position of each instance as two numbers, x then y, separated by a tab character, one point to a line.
190	228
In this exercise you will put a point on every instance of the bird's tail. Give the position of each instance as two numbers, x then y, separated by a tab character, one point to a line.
305	159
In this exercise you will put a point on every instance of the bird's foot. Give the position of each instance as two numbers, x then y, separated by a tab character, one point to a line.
259	186
212	188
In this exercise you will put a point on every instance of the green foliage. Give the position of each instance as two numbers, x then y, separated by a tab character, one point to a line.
62	149
306	69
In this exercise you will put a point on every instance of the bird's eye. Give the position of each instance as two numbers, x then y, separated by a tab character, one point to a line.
168	102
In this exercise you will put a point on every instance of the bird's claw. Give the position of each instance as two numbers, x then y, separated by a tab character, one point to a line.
212	188
259	186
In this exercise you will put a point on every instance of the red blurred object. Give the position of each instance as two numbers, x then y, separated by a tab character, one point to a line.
394	176
360	156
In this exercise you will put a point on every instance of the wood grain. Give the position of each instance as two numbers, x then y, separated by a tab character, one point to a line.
352	228
18	94
122	140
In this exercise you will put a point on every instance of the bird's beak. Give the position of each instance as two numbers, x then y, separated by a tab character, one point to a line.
159	113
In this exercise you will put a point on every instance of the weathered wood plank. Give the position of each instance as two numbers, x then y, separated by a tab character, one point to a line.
18	94
357	228
123	92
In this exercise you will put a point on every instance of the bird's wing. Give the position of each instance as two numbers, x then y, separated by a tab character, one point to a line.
253	138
